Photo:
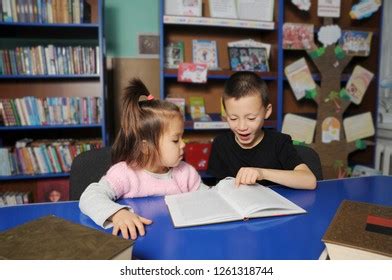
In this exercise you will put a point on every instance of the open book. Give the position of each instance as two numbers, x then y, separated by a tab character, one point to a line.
225	202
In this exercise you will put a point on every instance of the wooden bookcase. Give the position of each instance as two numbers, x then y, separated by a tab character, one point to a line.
25	34
282	97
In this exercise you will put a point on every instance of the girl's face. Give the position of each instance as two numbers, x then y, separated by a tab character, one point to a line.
171	146
245	117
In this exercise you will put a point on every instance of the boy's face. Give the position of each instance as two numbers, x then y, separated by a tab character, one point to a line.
246	118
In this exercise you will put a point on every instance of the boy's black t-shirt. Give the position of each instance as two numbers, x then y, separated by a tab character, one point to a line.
275	151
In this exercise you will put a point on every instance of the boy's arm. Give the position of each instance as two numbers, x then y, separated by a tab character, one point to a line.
299	178
97	202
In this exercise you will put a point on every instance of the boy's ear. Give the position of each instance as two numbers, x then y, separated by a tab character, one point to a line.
268	111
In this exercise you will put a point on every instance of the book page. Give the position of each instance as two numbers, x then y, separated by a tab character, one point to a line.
201	207
223	8
256	200
358	126
260	10
299	128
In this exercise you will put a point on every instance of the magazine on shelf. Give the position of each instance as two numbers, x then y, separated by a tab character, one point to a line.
356	43
223	8
225	202
259	10
250	43
248	59
192	73
300	78
183	7
174	54
205	51
298	36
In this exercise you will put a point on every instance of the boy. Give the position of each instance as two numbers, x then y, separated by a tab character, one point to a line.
248	152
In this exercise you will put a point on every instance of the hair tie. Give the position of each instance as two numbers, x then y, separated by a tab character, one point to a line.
150	97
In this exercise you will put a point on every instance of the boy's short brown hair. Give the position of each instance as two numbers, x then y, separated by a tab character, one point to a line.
246	83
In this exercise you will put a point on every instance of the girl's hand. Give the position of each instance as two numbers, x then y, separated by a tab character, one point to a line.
127	222
248	176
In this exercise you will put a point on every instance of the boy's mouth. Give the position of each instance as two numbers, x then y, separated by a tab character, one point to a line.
243	137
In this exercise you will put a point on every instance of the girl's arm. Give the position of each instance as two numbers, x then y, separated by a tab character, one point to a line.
97	202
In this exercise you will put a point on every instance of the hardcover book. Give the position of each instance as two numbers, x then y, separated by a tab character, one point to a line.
53	238
183	7
225	203
206	52
360	231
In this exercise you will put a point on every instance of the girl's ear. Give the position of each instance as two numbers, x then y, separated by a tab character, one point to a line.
144	147
268	111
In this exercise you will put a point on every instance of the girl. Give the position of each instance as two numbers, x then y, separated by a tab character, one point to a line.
147	153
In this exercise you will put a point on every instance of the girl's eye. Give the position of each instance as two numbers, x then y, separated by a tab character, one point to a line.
176	141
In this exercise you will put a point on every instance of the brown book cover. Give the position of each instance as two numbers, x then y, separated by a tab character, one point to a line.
360	230
53	238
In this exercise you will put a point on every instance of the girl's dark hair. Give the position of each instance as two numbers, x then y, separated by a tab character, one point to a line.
142	124
245	83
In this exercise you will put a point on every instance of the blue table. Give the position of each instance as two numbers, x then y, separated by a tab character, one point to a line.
288	237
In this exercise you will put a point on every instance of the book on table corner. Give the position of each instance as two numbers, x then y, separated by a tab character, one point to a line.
360	231
225	203
53	238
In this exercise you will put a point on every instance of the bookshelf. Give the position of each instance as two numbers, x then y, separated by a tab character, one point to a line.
185	29
58	55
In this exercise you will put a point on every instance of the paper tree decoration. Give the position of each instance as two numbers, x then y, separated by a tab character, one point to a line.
330	139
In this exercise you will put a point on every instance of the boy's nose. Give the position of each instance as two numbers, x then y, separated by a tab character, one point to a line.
242	125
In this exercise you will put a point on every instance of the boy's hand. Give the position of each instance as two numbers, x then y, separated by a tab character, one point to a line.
127	222
248	176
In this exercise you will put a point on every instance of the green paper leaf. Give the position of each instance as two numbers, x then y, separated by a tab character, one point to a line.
310	93
340	54
360	144
344	95
299	143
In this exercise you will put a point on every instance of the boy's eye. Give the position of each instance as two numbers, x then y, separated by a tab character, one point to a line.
251	119
176	140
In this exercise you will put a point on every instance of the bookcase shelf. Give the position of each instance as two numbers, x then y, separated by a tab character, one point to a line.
185	29
218	22
33	177
32	34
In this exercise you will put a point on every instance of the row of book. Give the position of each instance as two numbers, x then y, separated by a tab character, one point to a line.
43	156
31	110
14	198
49	60
45	11
246	54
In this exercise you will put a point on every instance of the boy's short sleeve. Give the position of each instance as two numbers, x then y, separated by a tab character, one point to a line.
216	166
288	155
